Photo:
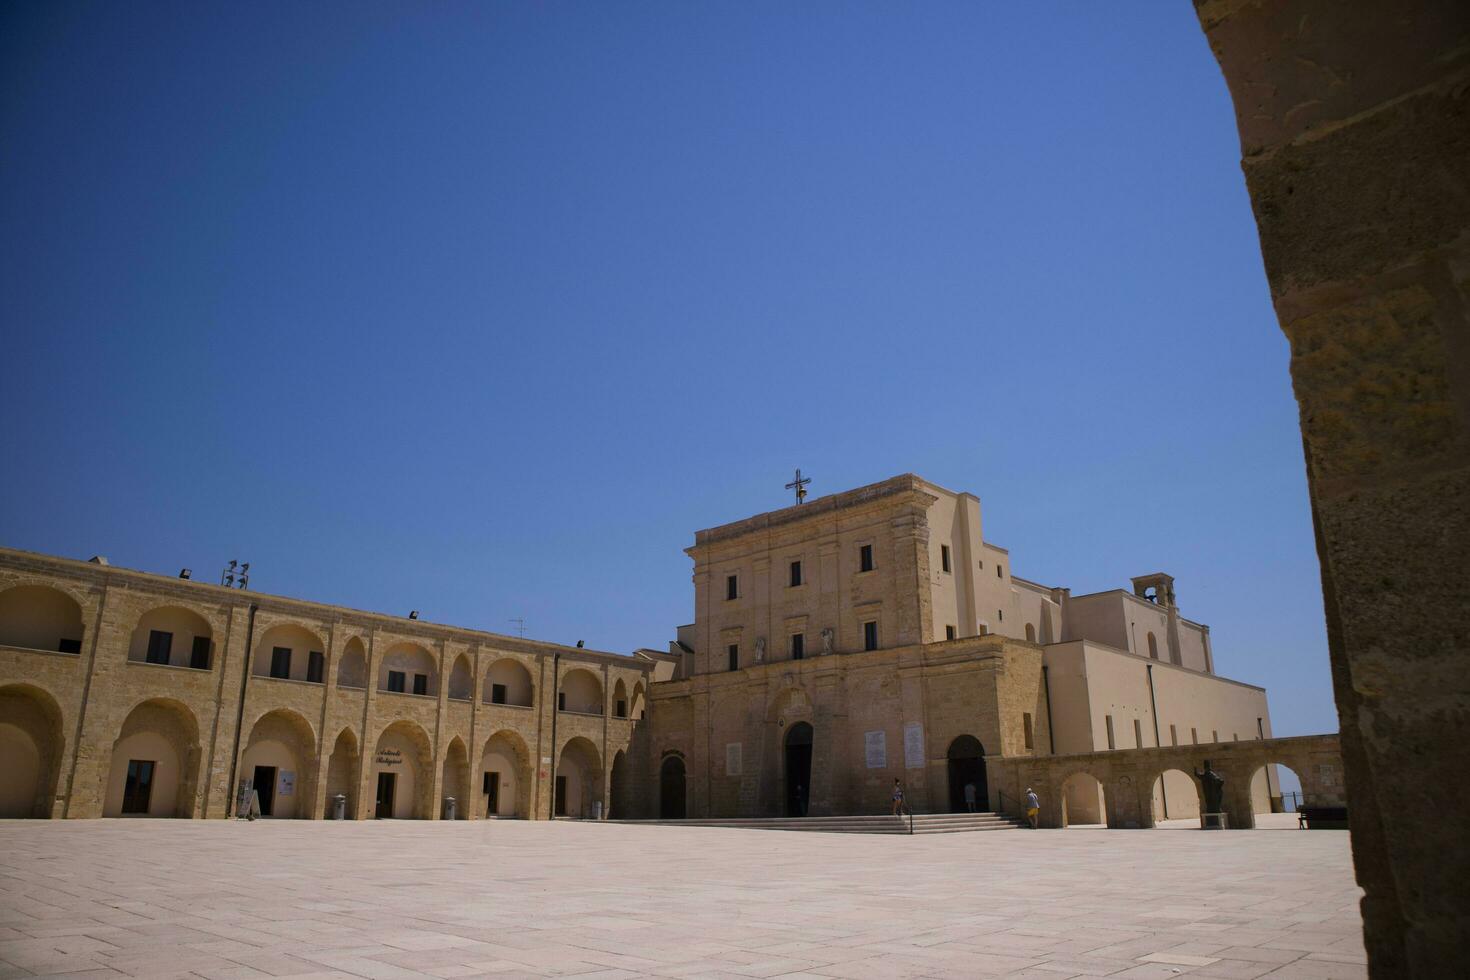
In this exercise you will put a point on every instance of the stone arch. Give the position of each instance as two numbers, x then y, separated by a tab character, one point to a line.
1176	796
1267	791
39	617
405	754
299	642
965	766
456	776
462	681
342	772
620	699
184	638
280	760
509	680
1084	799
505	757
352	669
578	787
154	770
31	746
620	793
639	704
581	692
791	704
673	792
413	661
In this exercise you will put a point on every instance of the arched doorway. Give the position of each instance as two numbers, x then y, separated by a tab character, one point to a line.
402	773
798	769
619	803
505	777
966	758
280	762
1276	795
671	805
30	751
578	789
456	777
342	772
155	763
1083	801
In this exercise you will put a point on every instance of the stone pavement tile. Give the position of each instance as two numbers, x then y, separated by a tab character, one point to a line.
1317	970
1235	969
1260	954
1151	971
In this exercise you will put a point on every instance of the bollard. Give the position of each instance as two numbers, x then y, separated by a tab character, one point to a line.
339	807
597	810
449	806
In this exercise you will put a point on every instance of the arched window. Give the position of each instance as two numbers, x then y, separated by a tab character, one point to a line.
1030	633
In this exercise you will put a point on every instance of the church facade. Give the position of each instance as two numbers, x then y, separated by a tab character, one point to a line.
838	646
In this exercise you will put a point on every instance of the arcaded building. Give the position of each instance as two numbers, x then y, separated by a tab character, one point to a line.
876	635
129	694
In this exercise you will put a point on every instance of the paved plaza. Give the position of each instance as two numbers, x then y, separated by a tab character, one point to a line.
231	900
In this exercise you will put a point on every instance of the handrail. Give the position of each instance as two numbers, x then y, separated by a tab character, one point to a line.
1003	799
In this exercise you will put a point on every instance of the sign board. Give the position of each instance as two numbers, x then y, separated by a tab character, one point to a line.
389	757
913	745
242	796
546	760
876	746
286	783
732	759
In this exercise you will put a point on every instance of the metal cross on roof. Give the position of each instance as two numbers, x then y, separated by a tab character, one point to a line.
799	485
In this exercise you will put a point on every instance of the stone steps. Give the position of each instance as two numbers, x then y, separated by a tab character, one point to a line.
923	823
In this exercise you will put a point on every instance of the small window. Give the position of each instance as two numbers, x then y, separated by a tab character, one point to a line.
421	683
621	709
950	633
798	646
316	666
69	646
1026	729
1108	720
732	587
944	557
281	662
561	700
795	574
865	558
983	629
1260	728
733	652
497	694
1173	735
1214	735
1193	736
159	645
1235	737
395	681
870	635
1138	733
1153	647
199	654
1000	571
1000	616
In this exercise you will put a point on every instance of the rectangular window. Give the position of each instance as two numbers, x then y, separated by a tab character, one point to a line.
870	635
421	683
1214	735
621	709
944	557
795	573
732	587
199	655
280	661
1000	615
561	700
798	646
497	694
733	652
1026	727
1000	571
983	629
316	665
1108	720
1235	737
1138	733
1260	728
69	646
159	645
395	681
865	558
1193	736
950	633
1173	735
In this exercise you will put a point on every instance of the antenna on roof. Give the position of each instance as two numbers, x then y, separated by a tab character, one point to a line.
520	626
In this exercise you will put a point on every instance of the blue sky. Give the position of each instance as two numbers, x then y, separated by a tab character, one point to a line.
482	309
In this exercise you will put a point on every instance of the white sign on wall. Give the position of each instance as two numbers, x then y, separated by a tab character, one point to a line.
285	783
913	745
876	744
732	759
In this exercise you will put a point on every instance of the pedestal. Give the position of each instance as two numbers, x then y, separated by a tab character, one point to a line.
1214	821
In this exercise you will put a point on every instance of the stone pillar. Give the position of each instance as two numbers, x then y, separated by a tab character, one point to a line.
1356	149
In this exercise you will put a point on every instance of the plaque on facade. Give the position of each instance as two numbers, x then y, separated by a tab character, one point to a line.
732	759
913	745
876	744
285	783
389	757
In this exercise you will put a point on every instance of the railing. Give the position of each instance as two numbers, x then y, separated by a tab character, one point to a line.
1020	810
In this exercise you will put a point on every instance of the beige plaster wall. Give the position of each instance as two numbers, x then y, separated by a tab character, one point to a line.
20	771
155	748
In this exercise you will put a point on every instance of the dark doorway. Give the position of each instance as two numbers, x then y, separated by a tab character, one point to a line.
798	769
671	789
387	788
265	788
138	790
561	796
492	793
967	768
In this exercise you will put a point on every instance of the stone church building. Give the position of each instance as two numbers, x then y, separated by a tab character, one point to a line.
837	646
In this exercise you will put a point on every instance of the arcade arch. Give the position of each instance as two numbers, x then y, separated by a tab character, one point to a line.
639	703
1267	795
408	668
620	801
505	780
31	743
173	636
456	777
508	682
1084	802
280	761
155	762
620	699
578	780
37	617
289	651
581	692
462	680
402	773
1176	796
342	769
352	671
672	791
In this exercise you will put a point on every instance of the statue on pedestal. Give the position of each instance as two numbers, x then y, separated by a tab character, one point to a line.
827	637
760	651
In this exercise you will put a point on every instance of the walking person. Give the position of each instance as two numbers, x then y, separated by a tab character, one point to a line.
1033	808
897	797
970	797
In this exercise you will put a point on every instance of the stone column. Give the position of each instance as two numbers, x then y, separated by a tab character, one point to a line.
1356	150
